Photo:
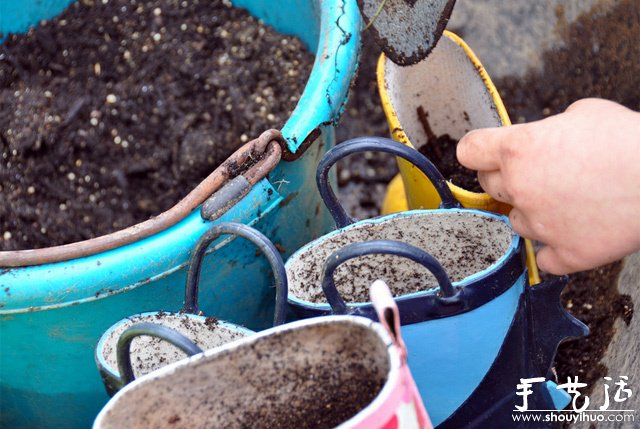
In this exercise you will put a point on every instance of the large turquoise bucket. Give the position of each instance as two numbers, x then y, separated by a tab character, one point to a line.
52	315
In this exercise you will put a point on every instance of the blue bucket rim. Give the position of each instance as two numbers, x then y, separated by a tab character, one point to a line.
512	250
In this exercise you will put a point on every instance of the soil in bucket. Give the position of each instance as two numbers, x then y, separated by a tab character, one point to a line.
113	111
328	406
148	353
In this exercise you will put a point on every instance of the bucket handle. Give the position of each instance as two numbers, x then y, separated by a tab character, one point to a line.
165	333
382	247
262	243
376	144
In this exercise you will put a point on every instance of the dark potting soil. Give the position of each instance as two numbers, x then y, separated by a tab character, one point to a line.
113	111
327	406
592	296
441	150
600	57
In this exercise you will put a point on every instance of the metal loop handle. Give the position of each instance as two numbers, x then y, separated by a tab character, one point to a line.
123	348
376	144
262	243
379	247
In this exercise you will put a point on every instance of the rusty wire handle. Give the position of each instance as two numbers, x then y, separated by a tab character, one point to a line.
268	146
380	247
375	144
123	348
261	242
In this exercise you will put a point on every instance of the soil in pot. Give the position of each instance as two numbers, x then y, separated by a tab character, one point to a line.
363	177
441	150
149	353
327	406
317	376
113	111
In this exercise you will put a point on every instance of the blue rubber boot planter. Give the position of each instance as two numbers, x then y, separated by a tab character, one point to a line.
194	331
472	324
54	308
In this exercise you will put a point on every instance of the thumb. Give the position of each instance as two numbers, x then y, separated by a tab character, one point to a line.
480	149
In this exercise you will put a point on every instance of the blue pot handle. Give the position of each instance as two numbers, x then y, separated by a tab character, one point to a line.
381	247
377	144
169	335
262	243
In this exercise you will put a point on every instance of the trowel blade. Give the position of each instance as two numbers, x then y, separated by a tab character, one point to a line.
406	30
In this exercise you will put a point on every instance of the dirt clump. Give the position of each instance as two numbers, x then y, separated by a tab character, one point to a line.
441	150
599	57
211	322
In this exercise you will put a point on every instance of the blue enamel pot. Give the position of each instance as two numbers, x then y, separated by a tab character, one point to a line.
154	339
54	310
472	324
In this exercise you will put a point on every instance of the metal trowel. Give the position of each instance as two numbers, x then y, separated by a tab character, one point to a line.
406	30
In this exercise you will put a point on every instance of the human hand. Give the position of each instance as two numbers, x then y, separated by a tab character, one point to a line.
573	180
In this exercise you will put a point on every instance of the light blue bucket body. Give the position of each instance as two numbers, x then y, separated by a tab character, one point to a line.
52	316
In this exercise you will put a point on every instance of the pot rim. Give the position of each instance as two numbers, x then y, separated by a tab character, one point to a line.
101	362
473	279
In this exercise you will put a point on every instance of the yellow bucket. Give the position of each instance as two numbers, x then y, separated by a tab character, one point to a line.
453	89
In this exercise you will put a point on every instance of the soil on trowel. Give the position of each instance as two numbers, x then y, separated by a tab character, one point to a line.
600	57
113	111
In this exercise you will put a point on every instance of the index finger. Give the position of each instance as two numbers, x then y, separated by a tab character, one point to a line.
480	149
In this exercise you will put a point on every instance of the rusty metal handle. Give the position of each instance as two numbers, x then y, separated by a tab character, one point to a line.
260	156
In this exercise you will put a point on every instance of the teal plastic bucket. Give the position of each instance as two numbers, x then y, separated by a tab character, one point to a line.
52	316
